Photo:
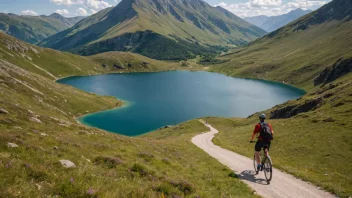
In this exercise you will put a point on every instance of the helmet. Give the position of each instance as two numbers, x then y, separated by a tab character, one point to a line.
262	116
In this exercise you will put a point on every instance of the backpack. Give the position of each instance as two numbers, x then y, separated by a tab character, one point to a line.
265	131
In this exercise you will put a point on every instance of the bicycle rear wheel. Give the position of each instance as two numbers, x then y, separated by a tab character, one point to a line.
268	169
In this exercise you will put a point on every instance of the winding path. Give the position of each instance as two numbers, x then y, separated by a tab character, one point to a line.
282	184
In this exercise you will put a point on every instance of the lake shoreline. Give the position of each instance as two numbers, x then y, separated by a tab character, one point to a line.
126	103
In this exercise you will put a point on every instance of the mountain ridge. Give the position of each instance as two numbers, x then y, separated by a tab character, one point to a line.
175	22
272	23
311	43
33	29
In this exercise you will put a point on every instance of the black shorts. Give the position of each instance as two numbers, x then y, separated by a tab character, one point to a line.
261	143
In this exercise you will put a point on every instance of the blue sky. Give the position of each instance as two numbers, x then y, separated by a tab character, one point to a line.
241	8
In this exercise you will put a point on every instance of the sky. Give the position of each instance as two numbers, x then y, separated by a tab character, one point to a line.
71	8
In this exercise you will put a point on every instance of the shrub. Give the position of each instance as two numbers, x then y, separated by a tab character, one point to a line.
166	189
146	156
110	162
183	186
139	168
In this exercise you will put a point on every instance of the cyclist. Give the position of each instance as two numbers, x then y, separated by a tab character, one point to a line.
266	134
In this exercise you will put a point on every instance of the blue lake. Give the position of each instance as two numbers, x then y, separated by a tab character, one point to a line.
167	98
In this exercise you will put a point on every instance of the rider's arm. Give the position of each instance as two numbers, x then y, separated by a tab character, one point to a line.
252	137
272	131
256	130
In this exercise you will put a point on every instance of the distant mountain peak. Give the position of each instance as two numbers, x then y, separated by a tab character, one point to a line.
33	29
299	10
55	15
336	10
275	22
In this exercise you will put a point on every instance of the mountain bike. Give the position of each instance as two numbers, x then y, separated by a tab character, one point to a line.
266	163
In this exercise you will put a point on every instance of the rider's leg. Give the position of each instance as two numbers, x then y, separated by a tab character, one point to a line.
258	148
257	157
268	143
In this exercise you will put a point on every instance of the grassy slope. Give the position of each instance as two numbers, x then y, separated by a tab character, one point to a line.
108	165
66	64
295	58
136	62
111	165
315	145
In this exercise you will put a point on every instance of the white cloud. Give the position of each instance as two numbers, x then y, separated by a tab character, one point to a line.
93	5
98	4
29	12
93	11
270	7
265	2
67	2
81	12
63	12
304	4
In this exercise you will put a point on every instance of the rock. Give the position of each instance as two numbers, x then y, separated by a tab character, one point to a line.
38	186
67	163
56	148
12	145
292	110
34	119
145	64
329	119
17	127
44	134
338	69
118	66
103	65
3	111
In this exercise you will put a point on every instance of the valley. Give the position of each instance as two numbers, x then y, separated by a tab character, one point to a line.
38	116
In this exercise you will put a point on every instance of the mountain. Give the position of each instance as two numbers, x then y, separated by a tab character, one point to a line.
299	51
69	22
273	23
162	29
33	29
257	20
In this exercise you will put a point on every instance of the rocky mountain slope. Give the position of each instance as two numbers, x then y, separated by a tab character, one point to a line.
273	23
33	29
161	29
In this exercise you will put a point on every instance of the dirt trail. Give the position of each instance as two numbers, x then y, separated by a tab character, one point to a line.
282	184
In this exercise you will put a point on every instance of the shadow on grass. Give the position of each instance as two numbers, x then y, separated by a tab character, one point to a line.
250	175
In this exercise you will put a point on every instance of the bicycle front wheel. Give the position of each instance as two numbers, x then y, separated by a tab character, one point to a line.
268	169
